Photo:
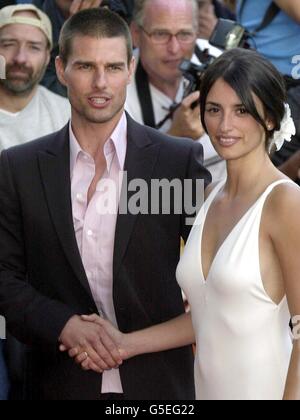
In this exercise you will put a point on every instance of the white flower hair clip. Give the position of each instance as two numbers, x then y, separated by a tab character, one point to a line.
286	131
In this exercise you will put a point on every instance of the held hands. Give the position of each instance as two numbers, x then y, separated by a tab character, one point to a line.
94	343
186	121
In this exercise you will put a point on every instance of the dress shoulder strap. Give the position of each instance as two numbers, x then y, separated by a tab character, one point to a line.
214	192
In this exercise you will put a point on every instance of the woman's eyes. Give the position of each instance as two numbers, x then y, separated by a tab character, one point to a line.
215	110
212	110
242	111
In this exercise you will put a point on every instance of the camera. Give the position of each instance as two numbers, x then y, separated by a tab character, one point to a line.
192	72
227	34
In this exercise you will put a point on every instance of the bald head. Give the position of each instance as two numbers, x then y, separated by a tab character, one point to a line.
142	8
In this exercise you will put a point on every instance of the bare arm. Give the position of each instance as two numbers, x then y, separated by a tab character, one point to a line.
170	335
78	5
286	238
291	166
290	7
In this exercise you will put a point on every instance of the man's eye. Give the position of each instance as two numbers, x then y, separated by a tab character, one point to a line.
160	34
115	68
34	48
84	67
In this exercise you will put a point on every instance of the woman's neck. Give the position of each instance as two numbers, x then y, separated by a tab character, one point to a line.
249	173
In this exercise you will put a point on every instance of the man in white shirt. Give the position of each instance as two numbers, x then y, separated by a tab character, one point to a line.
165	32
27	110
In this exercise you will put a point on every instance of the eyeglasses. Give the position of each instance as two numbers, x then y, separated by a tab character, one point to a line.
164	37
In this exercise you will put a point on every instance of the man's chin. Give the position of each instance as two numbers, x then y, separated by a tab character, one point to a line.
17	88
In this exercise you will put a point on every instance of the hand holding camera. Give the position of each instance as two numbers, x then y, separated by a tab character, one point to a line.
186	119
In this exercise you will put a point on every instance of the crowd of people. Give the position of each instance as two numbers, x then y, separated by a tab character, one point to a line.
94	94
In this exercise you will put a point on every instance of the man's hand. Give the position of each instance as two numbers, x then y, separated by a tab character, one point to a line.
207	21
186	121
118	338
78	5
93	342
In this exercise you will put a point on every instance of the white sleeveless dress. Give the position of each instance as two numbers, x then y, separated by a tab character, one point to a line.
243	338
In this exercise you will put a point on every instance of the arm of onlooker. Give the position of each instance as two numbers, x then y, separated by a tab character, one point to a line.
207	21
292	166
32	317
78	5
290	7
285	235
186	121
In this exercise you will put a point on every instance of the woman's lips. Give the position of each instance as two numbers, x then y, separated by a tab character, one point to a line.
228	141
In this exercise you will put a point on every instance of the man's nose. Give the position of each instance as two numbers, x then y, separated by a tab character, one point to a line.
173	45
21	56
100	79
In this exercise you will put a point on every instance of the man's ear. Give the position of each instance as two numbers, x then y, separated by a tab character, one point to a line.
135	33
132	67
60	70
48	58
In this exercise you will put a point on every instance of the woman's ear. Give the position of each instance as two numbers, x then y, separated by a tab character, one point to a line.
270	125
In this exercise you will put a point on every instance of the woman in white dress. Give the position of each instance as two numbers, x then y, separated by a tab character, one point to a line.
241	268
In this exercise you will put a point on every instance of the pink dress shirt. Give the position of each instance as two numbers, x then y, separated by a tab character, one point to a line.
95	224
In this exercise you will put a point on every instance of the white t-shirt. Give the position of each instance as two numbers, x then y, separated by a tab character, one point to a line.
45	114
161	105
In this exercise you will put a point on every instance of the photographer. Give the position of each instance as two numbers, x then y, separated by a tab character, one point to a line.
275	33
165	31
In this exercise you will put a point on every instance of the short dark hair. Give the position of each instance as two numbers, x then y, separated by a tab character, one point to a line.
98	23
248	72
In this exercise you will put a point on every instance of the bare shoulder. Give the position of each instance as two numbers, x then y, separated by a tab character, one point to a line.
283	207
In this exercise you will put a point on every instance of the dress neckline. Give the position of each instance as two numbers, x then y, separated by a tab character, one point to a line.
209	202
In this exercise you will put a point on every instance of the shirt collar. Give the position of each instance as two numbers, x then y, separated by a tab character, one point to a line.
118	138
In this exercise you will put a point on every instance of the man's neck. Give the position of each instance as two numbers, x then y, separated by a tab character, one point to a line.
93	136
170	89
15	103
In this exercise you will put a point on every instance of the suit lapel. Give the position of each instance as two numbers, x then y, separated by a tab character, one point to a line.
140	160
55	172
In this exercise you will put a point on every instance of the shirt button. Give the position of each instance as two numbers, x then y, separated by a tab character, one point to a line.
80	197
90	233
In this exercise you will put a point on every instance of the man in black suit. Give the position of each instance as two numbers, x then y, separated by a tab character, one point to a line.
51	271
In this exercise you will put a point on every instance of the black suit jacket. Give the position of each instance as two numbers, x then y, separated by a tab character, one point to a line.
43	282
